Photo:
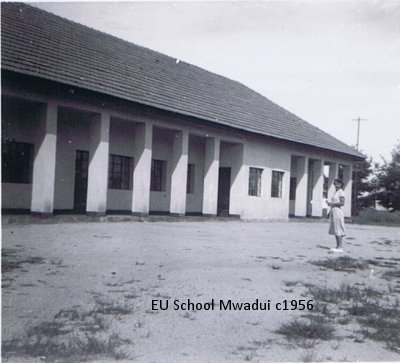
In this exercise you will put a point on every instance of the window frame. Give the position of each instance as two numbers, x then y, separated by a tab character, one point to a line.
158	176
120	179
17	162
277	189
255	181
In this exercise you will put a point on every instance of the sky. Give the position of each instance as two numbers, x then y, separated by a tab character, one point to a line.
328	62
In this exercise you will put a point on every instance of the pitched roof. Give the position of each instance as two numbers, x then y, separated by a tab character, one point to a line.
37	43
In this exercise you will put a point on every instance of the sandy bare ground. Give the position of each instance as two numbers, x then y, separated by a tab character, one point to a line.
65	268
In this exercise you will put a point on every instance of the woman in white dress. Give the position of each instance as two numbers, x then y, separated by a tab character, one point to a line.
336	216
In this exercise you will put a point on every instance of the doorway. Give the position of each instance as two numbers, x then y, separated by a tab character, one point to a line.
224	191
81	180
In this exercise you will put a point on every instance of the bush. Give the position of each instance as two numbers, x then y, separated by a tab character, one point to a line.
74	335
307	329
373	216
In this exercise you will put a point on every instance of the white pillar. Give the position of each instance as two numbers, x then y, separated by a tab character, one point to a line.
179	173
347	188
318	188
44	165
300	207
98	165
142	171
211	171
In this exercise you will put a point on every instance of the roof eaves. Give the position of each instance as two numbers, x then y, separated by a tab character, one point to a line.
166	107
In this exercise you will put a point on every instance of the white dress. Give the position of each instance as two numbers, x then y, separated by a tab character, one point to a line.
336	216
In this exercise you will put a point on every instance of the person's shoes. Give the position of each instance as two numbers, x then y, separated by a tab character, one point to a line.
339	250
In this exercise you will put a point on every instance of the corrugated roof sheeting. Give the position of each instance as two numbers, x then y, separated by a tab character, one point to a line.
41	44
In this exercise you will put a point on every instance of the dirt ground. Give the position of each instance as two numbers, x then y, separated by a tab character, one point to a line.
52	271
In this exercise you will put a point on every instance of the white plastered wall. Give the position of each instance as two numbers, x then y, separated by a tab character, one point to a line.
240	154
268	157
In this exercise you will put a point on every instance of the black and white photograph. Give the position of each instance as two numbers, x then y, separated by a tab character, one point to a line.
200	181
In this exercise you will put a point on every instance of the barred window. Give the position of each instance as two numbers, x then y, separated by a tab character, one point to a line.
190	179
276	187
158	175
16	162
255	181
119	175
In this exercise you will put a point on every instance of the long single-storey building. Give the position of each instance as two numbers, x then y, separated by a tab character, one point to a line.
94	124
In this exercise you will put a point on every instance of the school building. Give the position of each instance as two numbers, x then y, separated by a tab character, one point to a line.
94	124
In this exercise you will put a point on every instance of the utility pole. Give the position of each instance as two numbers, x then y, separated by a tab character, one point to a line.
354	201
359	119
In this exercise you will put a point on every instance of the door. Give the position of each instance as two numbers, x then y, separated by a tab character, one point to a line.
224	191
81	180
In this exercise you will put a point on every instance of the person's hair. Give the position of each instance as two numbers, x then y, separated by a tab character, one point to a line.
340	181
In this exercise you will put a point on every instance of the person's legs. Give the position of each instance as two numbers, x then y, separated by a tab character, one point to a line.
339	241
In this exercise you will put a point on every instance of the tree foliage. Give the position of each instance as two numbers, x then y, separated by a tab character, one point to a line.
387	182
377	183
363	185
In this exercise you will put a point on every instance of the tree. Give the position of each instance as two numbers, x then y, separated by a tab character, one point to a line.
363	186
388	182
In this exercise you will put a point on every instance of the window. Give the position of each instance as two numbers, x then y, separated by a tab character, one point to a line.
16	162
255	181
190	179
119	174
293	185
276	189
158	175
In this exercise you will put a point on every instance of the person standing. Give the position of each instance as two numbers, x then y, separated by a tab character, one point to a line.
336	216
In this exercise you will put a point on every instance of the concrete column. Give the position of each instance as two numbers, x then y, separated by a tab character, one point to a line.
347	188
318	188
98	165
44	165
300	207
211	171
179	173
142	171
